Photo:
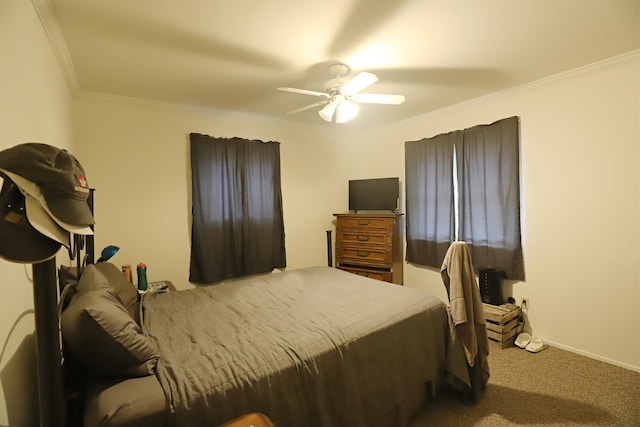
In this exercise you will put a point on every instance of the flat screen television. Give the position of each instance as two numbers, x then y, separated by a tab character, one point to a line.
374	194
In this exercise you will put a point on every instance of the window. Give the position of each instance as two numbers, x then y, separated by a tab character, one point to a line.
238	226
465	185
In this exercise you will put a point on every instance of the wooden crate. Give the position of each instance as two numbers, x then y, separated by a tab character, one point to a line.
502	323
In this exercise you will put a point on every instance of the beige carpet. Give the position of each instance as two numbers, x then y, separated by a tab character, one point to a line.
550	388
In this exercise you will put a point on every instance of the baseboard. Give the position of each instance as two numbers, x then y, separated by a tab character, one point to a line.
594	356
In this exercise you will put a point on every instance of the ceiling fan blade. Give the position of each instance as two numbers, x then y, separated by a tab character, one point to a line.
304	91
359	82
307	107
378	98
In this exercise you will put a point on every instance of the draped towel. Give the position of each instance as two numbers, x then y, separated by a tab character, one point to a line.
467	313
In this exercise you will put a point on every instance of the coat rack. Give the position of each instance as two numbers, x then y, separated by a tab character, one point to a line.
47	175
50	386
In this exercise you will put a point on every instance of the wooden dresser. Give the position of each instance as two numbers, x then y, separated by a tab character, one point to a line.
371	245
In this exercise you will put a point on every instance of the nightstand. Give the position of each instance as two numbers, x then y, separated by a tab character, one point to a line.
166	284
502	323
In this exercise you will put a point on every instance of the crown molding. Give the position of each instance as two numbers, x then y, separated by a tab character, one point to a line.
630	56
50	24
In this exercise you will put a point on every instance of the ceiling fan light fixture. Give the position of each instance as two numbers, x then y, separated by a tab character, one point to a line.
327	111
342	95
346	111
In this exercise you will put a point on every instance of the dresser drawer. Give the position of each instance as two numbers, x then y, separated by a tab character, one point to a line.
385	276
365	222
378	257
364	237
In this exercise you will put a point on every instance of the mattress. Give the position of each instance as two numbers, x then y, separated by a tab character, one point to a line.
127	402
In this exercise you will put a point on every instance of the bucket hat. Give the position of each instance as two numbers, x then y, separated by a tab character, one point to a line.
59	175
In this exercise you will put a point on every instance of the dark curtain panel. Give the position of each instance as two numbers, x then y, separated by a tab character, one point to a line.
430	198
488	169
238	226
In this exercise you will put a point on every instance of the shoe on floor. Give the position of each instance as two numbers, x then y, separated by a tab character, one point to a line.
523	340
536	345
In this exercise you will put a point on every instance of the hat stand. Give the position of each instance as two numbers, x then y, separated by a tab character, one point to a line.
50	387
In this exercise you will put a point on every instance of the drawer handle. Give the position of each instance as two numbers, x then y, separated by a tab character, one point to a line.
363	222
363	254
363	238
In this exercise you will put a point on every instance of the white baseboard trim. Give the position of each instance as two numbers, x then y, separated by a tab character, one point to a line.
594	356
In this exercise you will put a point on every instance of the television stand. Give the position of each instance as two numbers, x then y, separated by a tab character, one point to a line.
370	212
370	244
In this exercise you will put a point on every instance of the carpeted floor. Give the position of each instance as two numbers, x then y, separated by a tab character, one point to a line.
550	388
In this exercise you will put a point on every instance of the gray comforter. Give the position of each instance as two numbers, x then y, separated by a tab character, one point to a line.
309	347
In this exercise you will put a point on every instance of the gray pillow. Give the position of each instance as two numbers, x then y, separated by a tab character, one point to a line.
106	275
99	332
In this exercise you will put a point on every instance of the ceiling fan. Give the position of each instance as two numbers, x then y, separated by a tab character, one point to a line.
341	96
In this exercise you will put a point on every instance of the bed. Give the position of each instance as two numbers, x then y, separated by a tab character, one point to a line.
315	346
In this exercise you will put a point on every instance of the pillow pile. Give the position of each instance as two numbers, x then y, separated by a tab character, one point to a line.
106	275
100	326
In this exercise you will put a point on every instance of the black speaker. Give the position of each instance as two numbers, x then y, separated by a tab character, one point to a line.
490	281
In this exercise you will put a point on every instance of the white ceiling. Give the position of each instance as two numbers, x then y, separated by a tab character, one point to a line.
233	54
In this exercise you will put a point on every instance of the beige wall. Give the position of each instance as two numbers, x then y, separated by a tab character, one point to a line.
137	157
34	107
580	166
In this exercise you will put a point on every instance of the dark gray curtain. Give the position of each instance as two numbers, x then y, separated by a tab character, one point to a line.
430	197
487	168
489	195
238	226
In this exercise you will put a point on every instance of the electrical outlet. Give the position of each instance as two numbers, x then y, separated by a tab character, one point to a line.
525	303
